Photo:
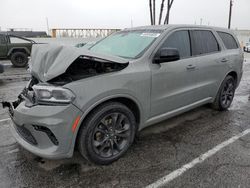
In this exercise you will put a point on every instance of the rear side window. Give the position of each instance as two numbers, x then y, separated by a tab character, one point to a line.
180	41
18	40
228	40
203	42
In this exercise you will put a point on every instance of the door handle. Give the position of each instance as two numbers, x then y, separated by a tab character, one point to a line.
190	67
224	60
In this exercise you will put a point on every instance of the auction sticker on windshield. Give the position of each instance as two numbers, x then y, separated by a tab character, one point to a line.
154	35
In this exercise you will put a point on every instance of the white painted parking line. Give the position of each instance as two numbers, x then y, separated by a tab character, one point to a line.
4	120
166	179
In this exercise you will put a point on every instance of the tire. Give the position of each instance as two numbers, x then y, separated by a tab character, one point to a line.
225	94
107	133
19	59
1	68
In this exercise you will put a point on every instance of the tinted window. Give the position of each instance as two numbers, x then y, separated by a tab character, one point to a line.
228	40
203	42
179	40
18	40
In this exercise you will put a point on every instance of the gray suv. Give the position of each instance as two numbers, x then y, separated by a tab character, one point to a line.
97	99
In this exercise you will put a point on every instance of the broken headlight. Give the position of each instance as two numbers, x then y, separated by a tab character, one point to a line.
52	94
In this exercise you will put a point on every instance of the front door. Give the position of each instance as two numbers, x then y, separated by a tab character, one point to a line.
3	46
174	83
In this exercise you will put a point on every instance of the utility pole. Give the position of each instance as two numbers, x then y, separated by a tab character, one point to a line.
230	14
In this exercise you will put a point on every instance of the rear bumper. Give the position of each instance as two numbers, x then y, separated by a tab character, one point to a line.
45	131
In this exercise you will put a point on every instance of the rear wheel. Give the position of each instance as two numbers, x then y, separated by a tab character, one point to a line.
107	133
225	95
19	59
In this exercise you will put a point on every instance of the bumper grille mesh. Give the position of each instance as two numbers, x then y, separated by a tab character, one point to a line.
26	134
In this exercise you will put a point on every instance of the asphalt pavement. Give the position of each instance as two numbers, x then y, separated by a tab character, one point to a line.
161	151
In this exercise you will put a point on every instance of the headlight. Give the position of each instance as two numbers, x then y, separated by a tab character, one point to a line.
52	94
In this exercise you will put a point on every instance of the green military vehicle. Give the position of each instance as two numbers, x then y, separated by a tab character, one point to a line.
15	48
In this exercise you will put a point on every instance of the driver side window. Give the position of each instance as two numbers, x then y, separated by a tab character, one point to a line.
181	41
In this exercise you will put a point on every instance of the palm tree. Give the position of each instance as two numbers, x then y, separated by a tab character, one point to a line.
169	5
154	12
151	14
161	10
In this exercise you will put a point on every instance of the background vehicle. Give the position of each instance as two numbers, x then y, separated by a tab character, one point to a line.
247	47
100	98
17	49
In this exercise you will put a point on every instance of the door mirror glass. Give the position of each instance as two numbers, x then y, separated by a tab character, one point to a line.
166	55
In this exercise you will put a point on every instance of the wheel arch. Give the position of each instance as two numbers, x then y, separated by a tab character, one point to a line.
125	100
234	75
18	49
230	73
129	102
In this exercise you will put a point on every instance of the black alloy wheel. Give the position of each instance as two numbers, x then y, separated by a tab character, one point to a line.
107	133
111	135
225	95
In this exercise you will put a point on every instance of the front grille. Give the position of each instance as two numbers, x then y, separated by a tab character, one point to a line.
26	134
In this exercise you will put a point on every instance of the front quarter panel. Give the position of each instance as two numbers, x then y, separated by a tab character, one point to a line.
133	82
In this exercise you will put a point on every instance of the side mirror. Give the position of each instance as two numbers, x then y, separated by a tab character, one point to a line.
166	55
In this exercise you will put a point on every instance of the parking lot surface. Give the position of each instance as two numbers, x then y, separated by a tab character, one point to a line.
159	151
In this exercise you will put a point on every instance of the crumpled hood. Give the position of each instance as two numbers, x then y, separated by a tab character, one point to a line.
49	61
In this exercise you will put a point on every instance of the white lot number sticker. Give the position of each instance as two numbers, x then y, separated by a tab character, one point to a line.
154	35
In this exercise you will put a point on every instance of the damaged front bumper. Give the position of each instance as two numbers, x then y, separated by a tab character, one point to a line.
44	130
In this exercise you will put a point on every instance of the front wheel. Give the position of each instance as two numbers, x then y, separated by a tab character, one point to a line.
225	94
107	133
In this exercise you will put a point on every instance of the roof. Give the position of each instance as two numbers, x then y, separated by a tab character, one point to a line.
176	26
30	34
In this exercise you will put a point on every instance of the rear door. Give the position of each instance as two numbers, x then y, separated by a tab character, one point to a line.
210	62
3	46
232	53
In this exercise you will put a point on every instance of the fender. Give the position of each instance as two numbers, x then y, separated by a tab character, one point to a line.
110	97
90	108
19	48
223	80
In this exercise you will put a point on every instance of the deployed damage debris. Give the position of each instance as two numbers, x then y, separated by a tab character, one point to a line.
59	65
50	61
84	67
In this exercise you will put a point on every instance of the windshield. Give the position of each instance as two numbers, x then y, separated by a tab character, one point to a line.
127	44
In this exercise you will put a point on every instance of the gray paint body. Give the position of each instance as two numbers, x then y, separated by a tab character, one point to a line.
159	90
